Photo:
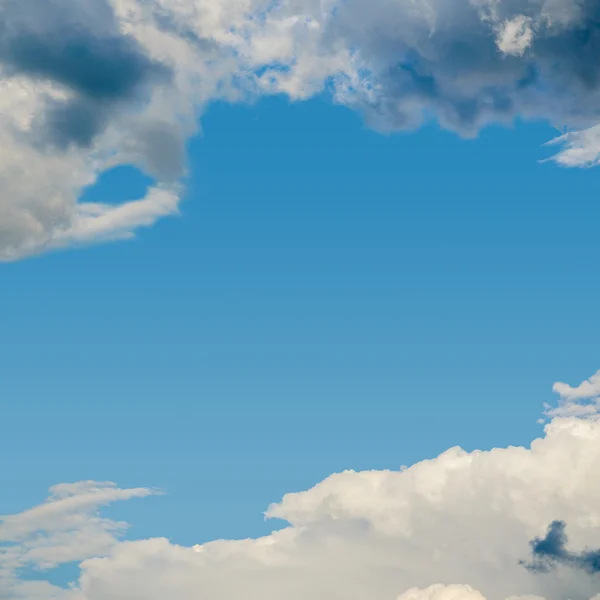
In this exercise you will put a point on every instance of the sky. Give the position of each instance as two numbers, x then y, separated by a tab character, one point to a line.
255	264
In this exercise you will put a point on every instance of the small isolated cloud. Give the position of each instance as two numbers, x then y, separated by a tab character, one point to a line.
455	527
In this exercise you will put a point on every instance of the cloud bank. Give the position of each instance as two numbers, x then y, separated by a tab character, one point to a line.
87	85
456	527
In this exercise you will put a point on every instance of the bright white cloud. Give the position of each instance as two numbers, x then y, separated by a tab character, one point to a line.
152	67
515	36
451	528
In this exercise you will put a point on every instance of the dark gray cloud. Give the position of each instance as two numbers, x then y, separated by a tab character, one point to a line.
73	122
551	550
159	148
77	46
445	60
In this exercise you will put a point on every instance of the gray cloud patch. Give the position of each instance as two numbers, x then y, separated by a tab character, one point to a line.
73	122
463	63
77	46
551	550
159	147
103	68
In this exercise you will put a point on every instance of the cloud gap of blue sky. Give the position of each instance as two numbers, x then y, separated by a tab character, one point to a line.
117	185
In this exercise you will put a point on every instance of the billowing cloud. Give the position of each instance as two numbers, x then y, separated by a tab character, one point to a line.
90	84
456	527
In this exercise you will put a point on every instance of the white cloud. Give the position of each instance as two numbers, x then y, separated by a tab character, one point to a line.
94	221
65	528
451	528
582	400
590	388
442	592
66	504
515	36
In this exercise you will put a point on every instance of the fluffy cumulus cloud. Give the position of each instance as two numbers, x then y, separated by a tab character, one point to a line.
462	526
86	85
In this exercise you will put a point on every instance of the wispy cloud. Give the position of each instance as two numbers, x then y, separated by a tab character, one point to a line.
580	400
66	528
552	550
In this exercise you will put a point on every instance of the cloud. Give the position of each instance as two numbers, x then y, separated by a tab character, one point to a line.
442	592
91	84
455	527
579	148
95	221
581	400
551	550
66	503
69	77
79	48
65	528
587	389
515	36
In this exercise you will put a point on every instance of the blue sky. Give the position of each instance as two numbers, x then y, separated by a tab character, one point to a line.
299	300
329	298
